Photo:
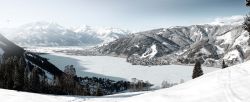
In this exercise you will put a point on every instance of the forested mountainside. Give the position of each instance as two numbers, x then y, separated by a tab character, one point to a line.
27	71
182	45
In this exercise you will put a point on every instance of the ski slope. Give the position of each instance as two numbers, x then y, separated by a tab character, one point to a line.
227	85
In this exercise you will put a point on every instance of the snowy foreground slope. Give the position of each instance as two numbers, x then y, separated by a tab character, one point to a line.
15	96
227	85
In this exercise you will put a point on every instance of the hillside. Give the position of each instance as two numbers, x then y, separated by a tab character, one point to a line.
26	71
182	45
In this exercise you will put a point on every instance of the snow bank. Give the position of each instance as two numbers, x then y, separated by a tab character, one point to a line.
15	96
228	85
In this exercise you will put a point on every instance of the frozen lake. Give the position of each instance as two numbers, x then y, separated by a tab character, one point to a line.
118	69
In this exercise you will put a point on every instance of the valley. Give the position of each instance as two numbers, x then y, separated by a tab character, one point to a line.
117	68
124	51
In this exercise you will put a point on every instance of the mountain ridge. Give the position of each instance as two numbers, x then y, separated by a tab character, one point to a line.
53	34
183	45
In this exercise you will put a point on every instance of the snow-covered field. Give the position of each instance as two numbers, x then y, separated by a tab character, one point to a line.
15	96
228	85
118	69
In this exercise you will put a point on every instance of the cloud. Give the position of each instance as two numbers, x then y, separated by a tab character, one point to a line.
233	20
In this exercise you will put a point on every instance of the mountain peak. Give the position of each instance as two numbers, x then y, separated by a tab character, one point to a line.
53	34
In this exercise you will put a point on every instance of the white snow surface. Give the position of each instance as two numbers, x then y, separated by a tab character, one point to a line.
150	52
233	55
118	69
17	96
225	85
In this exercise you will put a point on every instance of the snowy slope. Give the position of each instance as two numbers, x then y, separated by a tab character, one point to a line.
150	52
228	85
15	96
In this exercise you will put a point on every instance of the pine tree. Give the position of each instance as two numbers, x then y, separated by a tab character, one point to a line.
98	90
197	70
8	73
26	78
224	65
247	2
35	80
19	75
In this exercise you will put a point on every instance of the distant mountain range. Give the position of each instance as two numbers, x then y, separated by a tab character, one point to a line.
52	34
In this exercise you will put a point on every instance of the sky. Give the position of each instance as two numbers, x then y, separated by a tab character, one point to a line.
134	15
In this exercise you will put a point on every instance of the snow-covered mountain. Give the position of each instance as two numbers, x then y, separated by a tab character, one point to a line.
183	44
52	34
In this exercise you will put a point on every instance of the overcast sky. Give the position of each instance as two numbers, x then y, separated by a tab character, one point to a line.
126	14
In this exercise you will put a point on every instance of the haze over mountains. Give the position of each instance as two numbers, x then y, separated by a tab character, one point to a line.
52	34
